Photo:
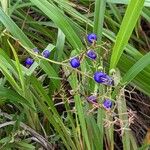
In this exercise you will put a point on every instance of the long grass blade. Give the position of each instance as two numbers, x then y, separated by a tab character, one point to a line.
132	14
146	3
13	97
4	4
136	68
78	104
14	29
19	69
52	115
99	13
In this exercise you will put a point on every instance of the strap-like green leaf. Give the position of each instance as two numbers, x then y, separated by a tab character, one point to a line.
14	29
99	13
129	21
146	3
136	68
13	96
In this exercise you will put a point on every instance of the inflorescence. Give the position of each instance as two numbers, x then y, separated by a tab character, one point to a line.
99	76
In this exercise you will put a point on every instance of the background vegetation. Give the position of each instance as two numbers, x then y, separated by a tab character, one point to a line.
45	106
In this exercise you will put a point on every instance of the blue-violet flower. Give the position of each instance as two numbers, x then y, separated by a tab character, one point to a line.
75	62
107	104
91	37
46	53
91	54
29	61
92	99
103	78
36	50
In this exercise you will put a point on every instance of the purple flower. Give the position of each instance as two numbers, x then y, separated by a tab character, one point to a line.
91	54
75	62
29	61
36	50
103	78
46	53
92	99
107	104
91	37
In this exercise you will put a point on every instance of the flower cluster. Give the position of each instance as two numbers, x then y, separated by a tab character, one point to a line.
75	62
99	76
29	61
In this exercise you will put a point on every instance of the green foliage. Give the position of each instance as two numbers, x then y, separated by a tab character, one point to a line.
45	105
100	6
131	16
136	68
